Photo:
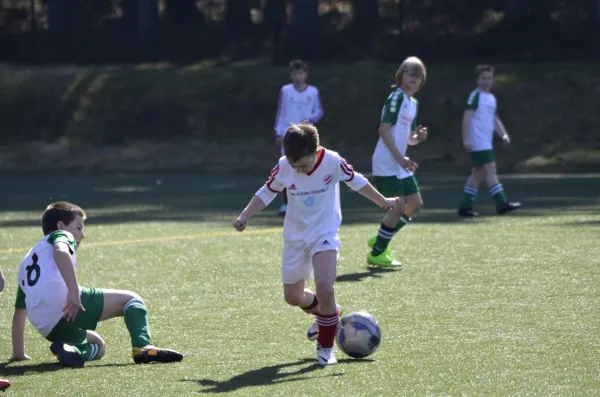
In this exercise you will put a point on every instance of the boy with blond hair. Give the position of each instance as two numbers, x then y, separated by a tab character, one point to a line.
392	169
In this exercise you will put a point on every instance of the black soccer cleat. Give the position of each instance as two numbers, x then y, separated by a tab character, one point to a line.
467	212
67	355
152	354
507	207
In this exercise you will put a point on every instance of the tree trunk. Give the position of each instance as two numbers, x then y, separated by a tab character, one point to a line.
237	18
304	27
182	12
276	20
366	18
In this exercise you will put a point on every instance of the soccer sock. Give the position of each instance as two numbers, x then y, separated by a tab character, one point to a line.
327	327
136	320
469	197
88	351
384	236
402	222
313	308
497	192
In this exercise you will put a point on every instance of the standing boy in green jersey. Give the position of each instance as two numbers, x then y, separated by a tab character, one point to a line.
392	170
479	123
65	313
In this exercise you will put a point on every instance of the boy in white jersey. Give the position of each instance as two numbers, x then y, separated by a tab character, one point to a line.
310	231
479	123
298	102
65	313
392	170
4	384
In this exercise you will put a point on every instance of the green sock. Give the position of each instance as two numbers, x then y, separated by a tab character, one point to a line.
497	192
384	236
402	222
136	320
88	351
469	196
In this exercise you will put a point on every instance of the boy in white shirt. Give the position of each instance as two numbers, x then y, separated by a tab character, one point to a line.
480	120
310	231
298	102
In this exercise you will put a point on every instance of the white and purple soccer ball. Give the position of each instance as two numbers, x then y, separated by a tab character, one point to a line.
358	335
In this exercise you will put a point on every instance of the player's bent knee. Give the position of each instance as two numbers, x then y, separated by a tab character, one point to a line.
293	299
101	351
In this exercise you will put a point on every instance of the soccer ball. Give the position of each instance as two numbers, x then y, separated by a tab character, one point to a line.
358	334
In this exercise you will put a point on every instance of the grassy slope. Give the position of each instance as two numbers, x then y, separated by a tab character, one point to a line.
550	110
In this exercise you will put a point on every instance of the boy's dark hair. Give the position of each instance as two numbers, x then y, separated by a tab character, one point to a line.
484	68
298	64
300	140
57	212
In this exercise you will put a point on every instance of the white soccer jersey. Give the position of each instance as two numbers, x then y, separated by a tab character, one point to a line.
400	111
481	132
313	198
42	284
296	106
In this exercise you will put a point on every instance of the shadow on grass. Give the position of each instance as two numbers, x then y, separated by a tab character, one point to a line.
269	375
14	369
372	272
112	199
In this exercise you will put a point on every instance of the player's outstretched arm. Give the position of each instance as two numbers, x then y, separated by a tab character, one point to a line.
372	194
18	332
254	207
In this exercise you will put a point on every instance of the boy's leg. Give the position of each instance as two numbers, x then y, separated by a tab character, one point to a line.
325	266
72	342
470	192
128	304
496	190
388	186
4	384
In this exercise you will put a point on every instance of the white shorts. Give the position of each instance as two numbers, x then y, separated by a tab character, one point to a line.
296	260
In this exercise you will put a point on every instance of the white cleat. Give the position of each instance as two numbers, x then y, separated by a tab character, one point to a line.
326	356
283	209
313	331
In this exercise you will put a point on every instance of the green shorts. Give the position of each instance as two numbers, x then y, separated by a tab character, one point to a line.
482	157
74	332
391	186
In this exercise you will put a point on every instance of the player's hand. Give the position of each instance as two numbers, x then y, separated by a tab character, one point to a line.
18	357
506	139
421	134
394	203
278	140
408	164
240	223
467	145
73	305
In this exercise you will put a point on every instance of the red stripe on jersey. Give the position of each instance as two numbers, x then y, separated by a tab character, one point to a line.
268	184
275	170
320	155
346	169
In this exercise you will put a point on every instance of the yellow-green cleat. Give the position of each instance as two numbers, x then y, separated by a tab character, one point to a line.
384	259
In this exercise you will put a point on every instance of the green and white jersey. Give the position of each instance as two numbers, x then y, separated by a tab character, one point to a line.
400	111
42	290
481	133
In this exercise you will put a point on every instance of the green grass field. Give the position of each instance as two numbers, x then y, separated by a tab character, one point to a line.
492	306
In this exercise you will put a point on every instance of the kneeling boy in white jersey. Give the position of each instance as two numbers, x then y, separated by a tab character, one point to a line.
311	175
65	313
